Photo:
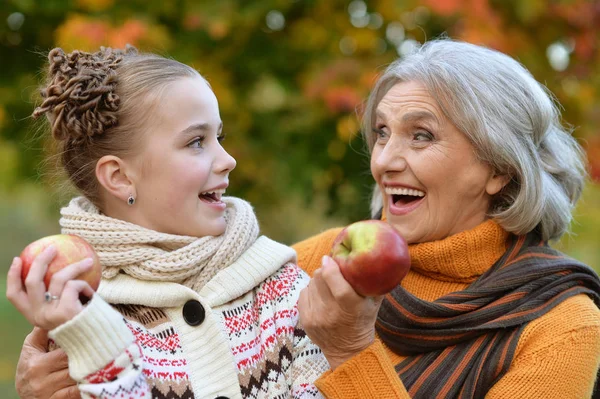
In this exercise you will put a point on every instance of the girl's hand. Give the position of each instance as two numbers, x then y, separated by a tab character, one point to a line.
60	303
335	317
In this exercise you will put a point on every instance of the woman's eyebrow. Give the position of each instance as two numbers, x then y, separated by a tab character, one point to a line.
414	116
417	116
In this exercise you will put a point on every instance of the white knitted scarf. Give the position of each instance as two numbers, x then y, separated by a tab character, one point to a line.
149	255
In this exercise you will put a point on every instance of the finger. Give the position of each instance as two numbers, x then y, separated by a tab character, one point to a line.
60	278
307	307
70	294
15	291
337	284
60	379
57	360
34	282
321	293
303	306
71	392
38	339
66	306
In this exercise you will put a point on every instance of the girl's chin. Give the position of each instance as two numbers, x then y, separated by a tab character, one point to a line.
216	228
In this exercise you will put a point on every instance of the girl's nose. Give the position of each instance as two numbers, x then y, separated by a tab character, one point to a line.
226	163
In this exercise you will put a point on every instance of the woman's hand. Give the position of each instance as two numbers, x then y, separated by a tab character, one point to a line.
42	374
60	303
335	317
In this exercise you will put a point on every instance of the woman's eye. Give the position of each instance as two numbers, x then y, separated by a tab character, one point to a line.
423	136
379	133
221	137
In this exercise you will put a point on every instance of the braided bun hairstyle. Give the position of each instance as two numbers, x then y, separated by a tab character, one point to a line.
97	104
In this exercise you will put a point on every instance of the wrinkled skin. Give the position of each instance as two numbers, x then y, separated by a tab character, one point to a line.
42	374
337	319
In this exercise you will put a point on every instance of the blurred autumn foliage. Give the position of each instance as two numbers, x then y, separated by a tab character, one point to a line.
290	76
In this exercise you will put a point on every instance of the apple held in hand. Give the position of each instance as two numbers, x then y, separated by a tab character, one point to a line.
69	249
373	257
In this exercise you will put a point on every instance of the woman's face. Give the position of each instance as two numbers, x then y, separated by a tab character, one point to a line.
433	184
182	169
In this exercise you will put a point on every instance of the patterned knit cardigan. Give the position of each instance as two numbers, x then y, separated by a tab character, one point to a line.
236	338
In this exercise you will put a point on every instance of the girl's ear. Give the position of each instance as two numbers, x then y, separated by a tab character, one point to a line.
112	173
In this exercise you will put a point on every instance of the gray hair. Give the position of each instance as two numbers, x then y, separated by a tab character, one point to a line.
513	123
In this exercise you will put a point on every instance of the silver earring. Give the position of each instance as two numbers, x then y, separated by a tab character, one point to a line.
131	200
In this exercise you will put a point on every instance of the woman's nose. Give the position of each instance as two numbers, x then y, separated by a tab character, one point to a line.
392	157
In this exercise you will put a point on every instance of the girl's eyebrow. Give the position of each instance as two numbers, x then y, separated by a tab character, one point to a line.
202	127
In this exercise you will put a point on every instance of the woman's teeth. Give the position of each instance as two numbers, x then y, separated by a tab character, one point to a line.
404	191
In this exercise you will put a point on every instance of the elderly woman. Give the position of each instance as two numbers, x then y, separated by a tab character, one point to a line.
473	168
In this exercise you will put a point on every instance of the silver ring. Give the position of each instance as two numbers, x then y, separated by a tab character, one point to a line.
48	297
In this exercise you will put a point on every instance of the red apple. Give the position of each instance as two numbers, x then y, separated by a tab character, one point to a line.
372	255
69	249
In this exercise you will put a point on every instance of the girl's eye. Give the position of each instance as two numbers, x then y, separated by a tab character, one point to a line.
221	137
196	143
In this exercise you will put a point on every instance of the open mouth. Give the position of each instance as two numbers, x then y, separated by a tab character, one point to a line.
404	196
211	196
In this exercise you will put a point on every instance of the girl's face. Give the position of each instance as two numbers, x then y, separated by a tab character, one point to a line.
432	182
182	170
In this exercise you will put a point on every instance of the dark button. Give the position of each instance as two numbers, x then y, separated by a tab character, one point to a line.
193	312
221	397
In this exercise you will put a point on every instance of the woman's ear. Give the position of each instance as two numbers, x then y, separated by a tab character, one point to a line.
113	174
496	183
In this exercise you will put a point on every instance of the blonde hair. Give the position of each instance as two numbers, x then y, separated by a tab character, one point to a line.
97	102
512	122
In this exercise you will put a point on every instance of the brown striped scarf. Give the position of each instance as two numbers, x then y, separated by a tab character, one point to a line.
460	345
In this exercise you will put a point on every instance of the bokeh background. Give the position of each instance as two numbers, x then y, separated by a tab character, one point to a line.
290	76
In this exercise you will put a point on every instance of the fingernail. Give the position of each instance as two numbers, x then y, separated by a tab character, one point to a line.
15	260
51	247
87	262
325	261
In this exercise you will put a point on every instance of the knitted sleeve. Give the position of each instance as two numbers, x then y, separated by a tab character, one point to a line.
368	375
104	357
311	250
308	361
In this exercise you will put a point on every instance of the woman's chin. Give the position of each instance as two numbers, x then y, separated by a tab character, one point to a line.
404	230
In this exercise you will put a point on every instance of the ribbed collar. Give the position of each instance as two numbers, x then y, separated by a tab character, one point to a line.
461	257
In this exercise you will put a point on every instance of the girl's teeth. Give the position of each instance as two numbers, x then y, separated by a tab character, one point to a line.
217	193
213	196
404	191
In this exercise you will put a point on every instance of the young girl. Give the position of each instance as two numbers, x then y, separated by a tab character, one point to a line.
200	305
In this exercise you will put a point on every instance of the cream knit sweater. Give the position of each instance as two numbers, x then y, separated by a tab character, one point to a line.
248	344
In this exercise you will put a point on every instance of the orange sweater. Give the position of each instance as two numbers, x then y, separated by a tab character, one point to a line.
557	356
